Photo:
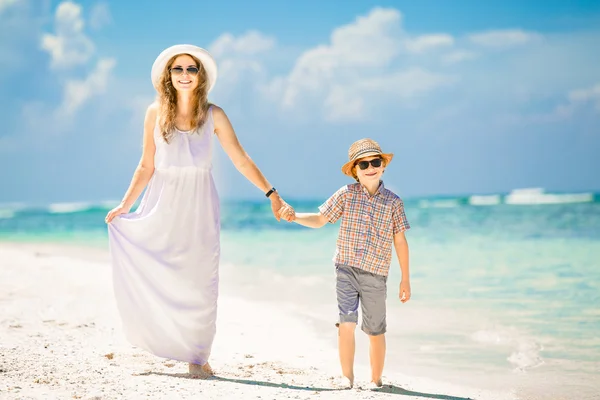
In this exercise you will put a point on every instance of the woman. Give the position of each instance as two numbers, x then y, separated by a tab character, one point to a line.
165	255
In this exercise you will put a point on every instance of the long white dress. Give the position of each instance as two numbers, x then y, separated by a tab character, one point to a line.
165	255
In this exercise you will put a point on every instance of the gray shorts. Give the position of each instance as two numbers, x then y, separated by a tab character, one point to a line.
354	284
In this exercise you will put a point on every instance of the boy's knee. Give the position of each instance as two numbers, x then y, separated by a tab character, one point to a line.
346	325
376	336
374	330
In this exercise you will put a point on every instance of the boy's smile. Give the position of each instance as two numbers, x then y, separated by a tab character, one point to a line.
371	173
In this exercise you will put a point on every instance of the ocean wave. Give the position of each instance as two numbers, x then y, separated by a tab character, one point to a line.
525	352
252	213
7	214
441	203
527	196
536	196
526	356
80	207
67	208
485	200
108	204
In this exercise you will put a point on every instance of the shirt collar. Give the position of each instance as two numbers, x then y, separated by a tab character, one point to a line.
379	189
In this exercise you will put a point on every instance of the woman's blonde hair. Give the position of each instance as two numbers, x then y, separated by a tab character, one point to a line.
167	99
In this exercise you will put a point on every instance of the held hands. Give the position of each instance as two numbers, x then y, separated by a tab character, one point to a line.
278	205
287	212
118	210
404	294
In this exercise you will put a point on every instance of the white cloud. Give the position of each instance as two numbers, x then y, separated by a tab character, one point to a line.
232	69
428	42
347	103
585	95
77	92
504	38
575	102
343	104
250	43
69	46
578	99
370	42
406	84
100	16
359	69
238	57
5	4
458	56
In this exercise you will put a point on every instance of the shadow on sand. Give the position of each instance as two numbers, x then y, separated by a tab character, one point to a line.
390	389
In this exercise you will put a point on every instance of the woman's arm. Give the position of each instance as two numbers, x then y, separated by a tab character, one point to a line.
241	160
145	168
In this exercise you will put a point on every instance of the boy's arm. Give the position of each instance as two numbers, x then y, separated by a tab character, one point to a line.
401	246
311	220
330	211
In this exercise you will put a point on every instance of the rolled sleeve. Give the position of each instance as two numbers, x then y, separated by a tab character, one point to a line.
399	221
333	207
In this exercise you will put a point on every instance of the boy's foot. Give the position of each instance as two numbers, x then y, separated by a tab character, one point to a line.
343	382
201	371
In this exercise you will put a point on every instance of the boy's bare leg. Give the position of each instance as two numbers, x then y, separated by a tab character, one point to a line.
377	356
346	349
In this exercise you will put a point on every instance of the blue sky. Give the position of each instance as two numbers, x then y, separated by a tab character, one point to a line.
471	96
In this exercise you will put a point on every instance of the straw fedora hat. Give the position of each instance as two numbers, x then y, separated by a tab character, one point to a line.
364	148
207	60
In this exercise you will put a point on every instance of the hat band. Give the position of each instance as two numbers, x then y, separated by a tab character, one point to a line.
357	155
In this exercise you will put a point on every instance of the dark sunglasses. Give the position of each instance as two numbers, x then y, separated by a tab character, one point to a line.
376	163
179	70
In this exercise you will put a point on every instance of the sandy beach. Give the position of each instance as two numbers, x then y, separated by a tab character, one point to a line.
60	338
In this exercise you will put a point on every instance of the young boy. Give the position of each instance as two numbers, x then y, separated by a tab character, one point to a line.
373	219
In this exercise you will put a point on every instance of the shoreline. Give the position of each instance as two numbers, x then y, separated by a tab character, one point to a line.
61	338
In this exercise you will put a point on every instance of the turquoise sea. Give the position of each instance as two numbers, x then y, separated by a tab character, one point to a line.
505	288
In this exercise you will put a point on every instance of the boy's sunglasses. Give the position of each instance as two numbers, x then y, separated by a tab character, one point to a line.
376	163
179	70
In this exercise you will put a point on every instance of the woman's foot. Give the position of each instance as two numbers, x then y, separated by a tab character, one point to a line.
201	371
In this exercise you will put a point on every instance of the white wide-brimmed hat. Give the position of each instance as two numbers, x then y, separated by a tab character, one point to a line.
201	54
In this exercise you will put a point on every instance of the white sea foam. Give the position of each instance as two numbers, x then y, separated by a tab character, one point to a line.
12	206
539	196
6	214
526	356
525	352
65	208
109	204
489	200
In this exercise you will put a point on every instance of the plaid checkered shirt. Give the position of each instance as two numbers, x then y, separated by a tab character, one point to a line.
368	226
